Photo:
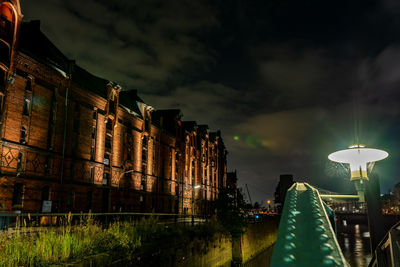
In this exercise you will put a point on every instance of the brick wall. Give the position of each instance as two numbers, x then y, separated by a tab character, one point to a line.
50	141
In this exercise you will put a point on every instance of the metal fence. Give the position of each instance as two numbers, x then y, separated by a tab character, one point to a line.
39	220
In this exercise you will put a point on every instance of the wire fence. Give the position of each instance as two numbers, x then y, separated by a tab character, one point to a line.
37	221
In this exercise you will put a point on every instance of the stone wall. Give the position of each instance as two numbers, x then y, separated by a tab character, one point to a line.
259	237
255	246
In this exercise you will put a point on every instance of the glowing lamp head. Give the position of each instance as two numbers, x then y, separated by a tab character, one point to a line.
358	156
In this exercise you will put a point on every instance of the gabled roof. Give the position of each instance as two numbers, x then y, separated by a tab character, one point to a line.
213	137
190	126
202	129
89	82
169	118
34	43
130	99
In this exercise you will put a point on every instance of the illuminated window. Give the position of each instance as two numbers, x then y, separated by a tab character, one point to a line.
106	159
106	178
7	32
91	174
27	106
93	132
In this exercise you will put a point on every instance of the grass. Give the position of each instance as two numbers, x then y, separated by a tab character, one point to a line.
68	243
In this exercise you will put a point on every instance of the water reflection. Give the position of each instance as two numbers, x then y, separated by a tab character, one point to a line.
354	241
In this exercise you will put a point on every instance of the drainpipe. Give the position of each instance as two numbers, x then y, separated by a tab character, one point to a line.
69	78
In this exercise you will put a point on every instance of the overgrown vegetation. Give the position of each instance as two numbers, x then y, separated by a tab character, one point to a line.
231	211
68	243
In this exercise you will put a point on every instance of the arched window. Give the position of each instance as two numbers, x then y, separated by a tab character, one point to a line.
6	23
7	27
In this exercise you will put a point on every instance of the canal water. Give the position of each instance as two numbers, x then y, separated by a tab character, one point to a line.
353	240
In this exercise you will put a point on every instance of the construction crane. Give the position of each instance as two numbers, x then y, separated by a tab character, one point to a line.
248	193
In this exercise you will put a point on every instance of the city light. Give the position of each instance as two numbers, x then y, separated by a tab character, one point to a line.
358	156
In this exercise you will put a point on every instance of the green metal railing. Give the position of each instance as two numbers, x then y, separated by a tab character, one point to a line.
306	236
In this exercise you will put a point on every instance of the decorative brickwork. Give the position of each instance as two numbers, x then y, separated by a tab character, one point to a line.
91	144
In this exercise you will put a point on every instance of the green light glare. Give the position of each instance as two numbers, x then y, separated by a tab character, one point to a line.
236	138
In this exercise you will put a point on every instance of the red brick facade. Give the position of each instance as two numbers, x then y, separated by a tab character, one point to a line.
85	144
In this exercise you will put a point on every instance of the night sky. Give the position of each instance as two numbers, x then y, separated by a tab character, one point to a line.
287	82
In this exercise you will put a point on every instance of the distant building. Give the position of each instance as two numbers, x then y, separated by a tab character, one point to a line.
84	143
285	182
231	180
397	192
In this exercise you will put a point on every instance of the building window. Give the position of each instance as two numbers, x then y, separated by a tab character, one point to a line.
71	200
143	184
89	195
27	106
107	159
47	165
23	135
19	161
46	193
144	154
91	175
29	84
153	166
92	153
106	177
109	125
108	141
17	194
7	29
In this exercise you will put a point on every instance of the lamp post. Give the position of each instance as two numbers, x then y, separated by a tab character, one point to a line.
358	156
194	188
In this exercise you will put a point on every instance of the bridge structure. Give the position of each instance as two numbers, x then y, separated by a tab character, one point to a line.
306	235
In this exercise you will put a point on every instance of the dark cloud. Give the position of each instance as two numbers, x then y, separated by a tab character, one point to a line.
291	80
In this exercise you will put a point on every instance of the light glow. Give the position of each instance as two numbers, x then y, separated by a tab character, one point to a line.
358	157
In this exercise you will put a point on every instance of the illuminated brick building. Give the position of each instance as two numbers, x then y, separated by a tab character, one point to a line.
86	144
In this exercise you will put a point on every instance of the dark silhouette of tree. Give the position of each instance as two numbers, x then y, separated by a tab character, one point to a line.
231	211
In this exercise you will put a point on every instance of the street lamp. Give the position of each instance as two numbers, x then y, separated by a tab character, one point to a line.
194	188
358	156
